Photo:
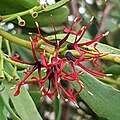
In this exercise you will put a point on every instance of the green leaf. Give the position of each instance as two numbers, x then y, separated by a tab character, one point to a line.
9	6
44	18
114	70
105	99
27	4
57	108
2	116
23	103
5	100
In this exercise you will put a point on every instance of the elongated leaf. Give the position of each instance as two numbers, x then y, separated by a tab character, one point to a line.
23	103
105	99
5	100
2	116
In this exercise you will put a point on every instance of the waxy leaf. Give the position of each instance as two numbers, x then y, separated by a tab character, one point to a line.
2	116
5	101
105	99
23	103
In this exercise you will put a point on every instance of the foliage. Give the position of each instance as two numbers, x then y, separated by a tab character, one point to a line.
59	72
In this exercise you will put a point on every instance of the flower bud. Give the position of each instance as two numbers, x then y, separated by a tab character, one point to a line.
14	74
21	22
9	77
34	14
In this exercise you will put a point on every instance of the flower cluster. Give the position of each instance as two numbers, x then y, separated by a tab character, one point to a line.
54	66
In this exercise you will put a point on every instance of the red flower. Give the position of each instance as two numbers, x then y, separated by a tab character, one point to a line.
56	74
54	67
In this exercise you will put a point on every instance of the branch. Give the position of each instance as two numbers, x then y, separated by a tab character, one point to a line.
109	7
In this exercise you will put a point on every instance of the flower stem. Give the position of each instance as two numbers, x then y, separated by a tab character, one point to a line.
14	39
14	16
38	9
15	63
8	47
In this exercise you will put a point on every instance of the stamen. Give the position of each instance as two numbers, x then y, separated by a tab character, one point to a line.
91	19
13	87
43	93
30	33
82	86
50	59
81	82
111	51
7	55
90	93
30	39
38	28
58	96
76	105
58	43
36	23
105	34
82	28
108	75
53	24
66	100
41	88
59	80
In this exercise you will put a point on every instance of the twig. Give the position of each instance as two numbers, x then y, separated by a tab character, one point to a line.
109	7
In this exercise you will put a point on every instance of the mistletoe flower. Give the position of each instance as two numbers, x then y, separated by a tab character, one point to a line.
55	70
55	73
54	66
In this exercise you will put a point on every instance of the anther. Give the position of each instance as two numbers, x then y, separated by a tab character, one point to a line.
36	23
30	33
43	93
91	19
108	75
41	88
30	39
66	100
13	87
76	105
58	96
90	93
105	34
59	80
